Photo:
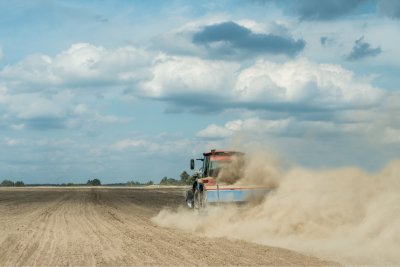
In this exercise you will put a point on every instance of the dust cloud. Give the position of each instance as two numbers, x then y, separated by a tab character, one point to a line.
258	169
346	215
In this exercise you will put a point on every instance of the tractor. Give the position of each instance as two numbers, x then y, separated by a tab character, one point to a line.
215	180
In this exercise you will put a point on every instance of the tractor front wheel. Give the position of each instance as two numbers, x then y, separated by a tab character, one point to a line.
190	199
200	198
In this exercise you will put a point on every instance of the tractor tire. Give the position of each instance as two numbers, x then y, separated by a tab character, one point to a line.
190	199
199	197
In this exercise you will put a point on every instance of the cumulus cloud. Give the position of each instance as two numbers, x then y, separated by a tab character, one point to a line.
215	132
34	110
185	82
229	38
252	125
190	80
81	65
39	111
362	49
298	85
42	92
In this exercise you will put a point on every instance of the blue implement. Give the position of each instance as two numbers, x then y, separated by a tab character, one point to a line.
234	194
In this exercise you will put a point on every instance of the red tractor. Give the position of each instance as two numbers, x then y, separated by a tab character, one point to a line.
215	180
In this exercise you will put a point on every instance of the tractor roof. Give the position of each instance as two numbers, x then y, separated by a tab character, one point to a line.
223	153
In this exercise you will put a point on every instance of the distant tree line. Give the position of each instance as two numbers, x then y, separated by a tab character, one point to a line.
94	182
185	179
9	183
136	183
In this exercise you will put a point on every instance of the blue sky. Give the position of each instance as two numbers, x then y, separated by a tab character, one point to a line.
131	90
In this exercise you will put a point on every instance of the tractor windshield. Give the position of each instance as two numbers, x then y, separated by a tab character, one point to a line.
216	166
227	171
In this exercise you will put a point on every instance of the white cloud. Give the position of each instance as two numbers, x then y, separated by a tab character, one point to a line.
82	64
253	125
301	81
254	26
32	105
62	109
28	106
80	61
234	125
185	80
188	79
215	132
323	86
33	70
173	76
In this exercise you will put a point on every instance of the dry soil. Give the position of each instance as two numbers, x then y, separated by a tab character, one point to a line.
112	226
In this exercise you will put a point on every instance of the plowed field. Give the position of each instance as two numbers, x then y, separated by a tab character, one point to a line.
112	226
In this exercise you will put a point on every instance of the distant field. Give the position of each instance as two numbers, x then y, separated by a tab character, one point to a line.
112	226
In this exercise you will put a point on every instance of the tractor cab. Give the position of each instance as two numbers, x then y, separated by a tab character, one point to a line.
215	161
215	180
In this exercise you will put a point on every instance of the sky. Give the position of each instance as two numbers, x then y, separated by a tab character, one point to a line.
131	90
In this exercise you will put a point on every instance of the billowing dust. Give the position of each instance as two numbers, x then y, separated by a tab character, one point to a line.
257	170
346	215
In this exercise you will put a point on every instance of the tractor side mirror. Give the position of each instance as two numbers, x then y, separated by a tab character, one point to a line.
192	164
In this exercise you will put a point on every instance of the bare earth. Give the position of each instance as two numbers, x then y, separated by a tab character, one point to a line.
111	226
